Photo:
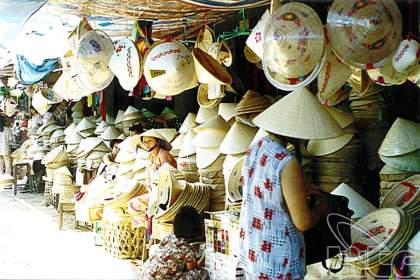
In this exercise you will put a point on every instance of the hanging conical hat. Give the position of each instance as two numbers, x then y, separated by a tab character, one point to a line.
168	133
289	26
203	99
85	124
70	129
215	122
328	146
255	39
360	206
252	101
205	157
208	70
187	148
343	119
209	138
155	134
372	31
188	123
169	68
333	74
403	137
227	110
177	143
238	139
110	133
73	138
299	115
221	53
77	33
119	117
204	38
50	96
93	53
408	162
386	75
126	63
204	114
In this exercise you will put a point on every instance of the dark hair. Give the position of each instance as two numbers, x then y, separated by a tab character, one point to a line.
187	223
114	142
137	128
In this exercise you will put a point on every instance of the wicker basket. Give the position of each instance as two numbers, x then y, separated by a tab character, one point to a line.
121	240
48	195
67	193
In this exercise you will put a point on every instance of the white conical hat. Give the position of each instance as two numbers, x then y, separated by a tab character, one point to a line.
131	111
73	138
95	155
110	133
215	122
360	206
122	136
102	126
227	110
139	164
89	144
238	139
187	148
343	119
177	143
39	103
85	124
403	137
328	146
119	117
299	115
62	171
255	39
129	144
77	114
407	162
78	107
204	114
205	157
188	123
70	129
209	138
168	133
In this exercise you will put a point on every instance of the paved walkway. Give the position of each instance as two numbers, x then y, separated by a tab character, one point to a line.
32	246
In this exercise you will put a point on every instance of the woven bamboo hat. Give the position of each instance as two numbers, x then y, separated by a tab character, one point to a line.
252	102
187	148
169	187
407	162
227	110
85	124
126	63
234	189
405	58
343	119
403	137
215	122
131	113
168	133
238	139
386	75
255	39
209	138
328	146
204	38
63	171
93	53
370	33
188	123
333	74
110	133
205	157
169	68
203	98
220	51
208	70
119	117
73	138
155	134
87	145
360	81
360	206
56	155
204	114
388	170
96	155
124	156
299	115
289	26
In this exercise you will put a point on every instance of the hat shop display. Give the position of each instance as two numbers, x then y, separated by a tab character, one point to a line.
204	114
85	128
203	94
255	40
57	157
131	116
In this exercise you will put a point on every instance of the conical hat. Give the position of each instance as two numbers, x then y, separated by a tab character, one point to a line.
168	186
77	107
70	129
403	137
77	115
93	53
126	63
139	164
50	96
62	171
388	170
289	26
299	115
122	137
204	114
155	134
125	168
73	138
371	33
177	143
85	124
103	125
408	162
238	139
328	146
215	122
89	144
252	101
227	110
131	111
343	119
168	133
414	75
255	39
204	38
386	75
87	133
51	128
95	155
57	134
208	70
333	74
209	138
56	155
203	99
221	53
187	148
404	195
205	157
169	68
129	144
119	117
124	156
360	206
110	133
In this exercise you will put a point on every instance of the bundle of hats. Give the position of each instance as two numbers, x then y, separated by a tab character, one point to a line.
86	128
101	127
250	105
109	134
90	153
72	141
186	160
54	159
63	184
130	117
47	129
37	150
210	160
335	160
400	150
77	110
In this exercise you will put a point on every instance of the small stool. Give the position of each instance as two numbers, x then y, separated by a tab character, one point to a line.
28	173
62	209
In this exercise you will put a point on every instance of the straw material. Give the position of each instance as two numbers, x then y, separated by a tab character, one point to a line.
328	146
238	139
215	122
119	117
73	138
253	102
204	39
188	123
204	114
403	137
283	51
155	133
343	119
235	185
208	70
356	42
110	133
227	110
101	127
299	115
408	162
220	51
169	187
187	148
360	206
177	143
386	75
70	129
255	39
56	155
203	99
205	157
89	144
209	138
405	194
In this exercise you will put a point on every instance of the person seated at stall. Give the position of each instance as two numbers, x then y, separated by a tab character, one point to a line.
175	257
110	157
135	129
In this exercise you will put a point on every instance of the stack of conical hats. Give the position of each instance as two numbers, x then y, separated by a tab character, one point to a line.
126	157
77	110
101	127
400	150
90	152
37	150
130	117
86	128
57	137
7	181
110	133
72	141
63	185
57	157
186	150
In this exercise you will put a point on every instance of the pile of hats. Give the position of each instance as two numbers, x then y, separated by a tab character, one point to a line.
86	128
182	145
400	150
63	184
368	106
414	249
334	160
57	138
126	157
90	153
7	181
210	160
54	159
110	133
251	103
37	150
379	236
77	110
101	127
130	117
72	141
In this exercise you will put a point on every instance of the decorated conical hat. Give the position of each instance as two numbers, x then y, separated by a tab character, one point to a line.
209	138
215	122
238	139
407	162
168	133
110	133
155	133
227	110
208	70
169	68
85	124
403	137
119	117
255	39
221	53
406	56
404	195
386	75
177	143
343	119
70	128
328	146
187	148
203	98
188	123
252	101
289	26
126	63
93	53
333	74
204	114
372	31
299	115
204	38
73	138
205	157
360	206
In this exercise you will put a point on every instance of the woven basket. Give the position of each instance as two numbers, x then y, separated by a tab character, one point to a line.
121	240
67	193
48	195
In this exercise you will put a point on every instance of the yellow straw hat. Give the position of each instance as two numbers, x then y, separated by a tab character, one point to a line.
187	148
203	99
227	110
204	38
386	75
155	134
